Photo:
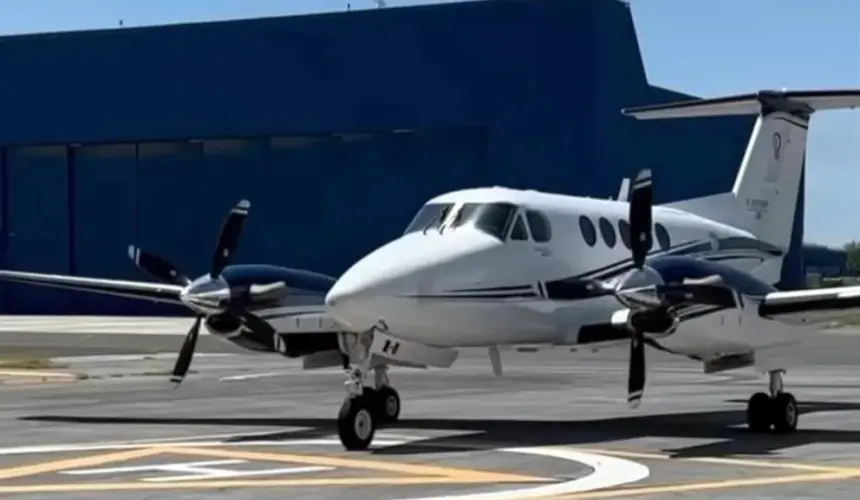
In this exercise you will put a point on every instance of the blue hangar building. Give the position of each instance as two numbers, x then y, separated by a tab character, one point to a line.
336	126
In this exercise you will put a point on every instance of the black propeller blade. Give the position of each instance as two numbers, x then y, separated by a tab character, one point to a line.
228	240
641	241
640	198
157	266
255	323
636	374
183	362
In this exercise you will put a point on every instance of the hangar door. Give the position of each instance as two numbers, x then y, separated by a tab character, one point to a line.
37	226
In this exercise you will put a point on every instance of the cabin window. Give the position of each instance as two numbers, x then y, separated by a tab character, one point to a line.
589	234
662	237
539	226
624	232
430	216
519	232
608	232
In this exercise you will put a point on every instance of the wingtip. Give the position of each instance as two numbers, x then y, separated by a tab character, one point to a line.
244	204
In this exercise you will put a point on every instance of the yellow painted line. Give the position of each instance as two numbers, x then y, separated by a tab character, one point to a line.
420	474
710	485
74	463
200	485
449	474
33	373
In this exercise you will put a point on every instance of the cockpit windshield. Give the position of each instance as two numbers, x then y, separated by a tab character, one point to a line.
429	217
491	218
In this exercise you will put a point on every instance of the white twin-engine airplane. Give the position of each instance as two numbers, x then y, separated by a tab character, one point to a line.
497	267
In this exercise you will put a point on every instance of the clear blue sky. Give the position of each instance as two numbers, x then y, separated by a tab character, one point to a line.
701	47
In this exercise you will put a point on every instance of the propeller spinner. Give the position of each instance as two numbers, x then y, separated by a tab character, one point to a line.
209	294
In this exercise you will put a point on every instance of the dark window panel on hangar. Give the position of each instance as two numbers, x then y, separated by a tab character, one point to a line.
325	122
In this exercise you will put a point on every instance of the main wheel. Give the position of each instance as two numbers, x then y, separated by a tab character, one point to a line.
759	412
784	413
389	404
355	423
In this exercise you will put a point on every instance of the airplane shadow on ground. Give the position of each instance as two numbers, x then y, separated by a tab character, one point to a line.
726	426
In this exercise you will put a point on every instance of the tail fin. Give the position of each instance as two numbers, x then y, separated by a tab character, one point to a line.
764	197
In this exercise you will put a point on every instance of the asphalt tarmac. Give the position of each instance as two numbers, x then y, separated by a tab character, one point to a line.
556	424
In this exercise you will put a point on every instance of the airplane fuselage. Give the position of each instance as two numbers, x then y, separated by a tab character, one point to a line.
460	286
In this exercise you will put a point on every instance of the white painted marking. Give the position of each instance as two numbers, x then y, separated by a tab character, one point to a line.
115	358
608	471
195	471
184	466
109	325
228	474
252	376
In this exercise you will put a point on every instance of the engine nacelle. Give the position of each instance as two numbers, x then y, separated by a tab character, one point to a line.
222	325
656	321
294	345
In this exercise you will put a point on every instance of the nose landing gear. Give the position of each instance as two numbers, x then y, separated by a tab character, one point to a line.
365	407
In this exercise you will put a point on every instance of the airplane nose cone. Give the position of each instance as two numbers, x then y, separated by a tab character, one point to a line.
365	291
357	284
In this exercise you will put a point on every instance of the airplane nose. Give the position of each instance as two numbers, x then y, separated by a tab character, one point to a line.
365	290
356	284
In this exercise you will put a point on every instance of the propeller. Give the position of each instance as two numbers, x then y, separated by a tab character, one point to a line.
651	301
641	241
209	294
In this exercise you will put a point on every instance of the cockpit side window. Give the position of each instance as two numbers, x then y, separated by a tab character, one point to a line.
495	218
519	232
539	226
430	216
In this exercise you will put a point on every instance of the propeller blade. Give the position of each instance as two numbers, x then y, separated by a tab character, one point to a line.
641	199
256	324
157	266
636	374
228	240
183	362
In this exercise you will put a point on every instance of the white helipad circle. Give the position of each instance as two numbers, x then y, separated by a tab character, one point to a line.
608	472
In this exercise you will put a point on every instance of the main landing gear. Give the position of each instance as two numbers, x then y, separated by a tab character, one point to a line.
365	408
777	411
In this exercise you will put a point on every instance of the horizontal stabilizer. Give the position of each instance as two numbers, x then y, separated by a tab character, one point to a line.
801	101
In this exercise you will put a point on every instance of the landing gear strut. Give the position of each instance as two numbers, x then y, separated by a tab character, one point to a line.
365	407
777	410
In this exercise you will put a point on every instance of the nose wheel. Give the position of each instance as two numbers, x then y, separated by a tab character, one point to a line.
776	411
366	407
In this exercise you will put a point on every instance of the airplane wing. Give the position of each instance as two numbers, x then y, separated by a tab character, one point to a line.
811	307
157	292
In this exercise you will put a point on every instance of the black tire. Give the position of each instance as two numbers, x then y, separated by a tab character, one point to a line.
389	404
759	413
784	413
356	423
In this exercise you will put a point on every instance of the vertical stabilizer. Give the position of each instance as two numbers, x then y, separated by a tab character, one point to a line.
764	197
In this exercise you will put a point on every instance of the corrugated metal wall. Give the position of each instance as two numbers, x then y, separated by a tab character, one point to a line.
336	126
